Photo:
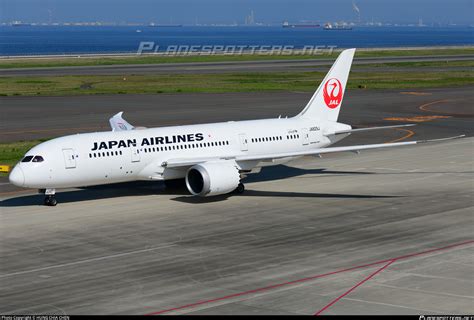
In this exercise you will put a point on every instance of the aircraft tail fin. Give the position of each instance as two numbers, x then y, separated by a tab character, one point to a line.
325	103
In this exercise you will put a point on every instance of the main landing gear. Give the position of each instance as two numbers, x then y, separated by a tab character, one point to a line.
240	188
50	200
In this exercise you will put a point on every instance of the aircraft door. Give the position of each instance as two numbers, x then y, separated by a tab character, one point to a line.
243	142
305	136
313	136
135	154
69	158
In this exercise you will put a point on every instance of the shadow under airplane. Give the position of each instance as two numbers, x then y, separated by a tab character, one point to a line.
140	188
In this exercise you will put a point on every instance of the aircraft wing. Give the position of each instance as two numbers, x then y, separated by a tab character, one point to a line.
119	124
341	149
369	129
172	163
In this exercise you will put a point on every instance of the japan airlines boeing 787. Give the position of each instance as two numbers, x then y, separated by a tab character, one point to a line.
211	157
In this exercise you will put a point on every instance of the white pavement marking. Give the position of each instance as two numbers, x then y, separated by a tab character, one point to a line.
84	261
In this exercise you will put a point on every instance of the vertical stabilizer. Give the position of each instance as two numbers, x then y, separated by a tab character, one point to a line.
326	102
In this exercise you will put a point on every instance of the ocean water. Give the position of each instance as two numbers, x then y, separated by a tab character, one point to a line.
32	40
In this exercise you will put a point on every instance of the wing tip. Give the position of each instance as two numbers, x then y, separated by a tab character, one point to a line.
442	139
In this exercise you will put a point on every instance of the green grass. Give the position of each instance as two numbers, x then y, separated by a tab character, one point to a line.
421	64
150	59
228	82
11	153
414	52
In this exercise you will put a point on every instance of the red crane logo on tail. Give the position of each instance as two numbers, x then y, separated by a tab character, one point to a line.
332	92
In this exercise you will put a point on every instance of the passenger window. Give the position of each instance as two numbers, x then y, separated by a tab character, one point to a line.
38	159
27	159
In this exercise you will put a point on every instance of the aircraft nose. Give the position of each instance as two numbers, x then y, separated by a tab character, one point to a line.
17	177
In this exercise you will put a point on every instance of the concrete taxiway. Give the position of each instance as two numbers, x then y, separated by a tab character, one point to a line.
384	232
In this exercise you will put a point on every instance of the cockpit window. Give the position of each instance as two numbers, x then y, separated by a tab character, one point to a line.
27	159
38	159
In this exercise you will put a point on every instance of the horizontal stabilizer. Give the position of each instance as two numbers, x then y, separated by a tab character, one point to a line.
370	129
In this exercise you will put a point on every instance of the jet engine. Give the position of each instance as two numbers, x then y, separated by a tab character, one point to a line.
212	178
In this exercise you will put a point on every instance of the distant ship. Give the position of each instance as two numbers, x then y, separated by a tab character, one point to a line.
166	25
19	24
286	24
329	26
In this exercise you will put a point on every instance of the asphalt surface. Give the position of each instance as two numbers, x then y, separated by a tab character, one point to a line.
385	232
220	67
27	118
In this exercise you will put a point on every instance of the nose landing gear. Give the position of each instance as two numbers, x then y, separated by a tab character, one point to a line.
50	200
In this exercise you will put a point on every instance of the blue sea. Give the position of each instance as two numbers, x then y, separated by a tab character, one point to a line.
38	40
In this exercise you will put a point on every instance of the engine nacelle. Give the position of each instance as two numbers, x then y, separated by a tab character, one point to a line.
212	178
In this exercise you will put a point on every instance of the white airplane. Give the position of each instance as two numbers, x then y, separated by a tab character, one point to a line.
211	157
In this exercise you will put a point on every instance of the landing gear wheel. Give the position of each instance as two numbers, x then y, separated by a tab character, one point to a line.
50	201
240	188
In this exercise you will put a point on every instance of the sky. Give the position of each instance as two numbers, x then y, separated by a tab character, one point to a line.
234	11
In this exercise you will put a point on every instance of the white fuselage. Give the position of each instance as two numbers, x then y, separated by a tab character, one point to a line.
120	156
